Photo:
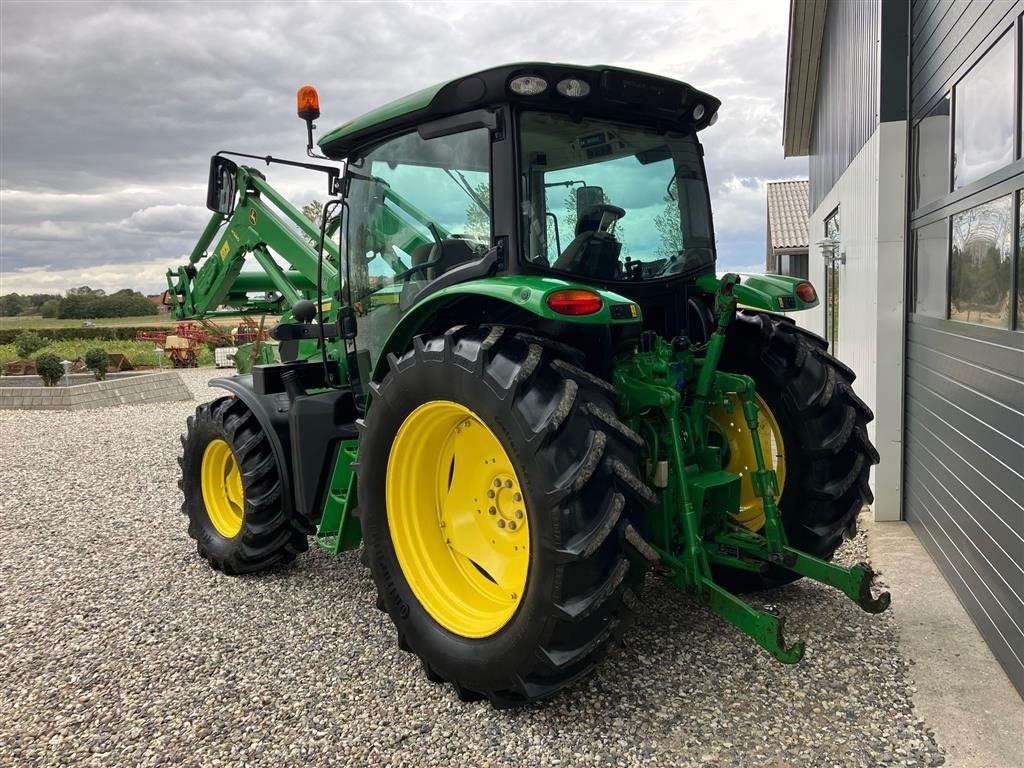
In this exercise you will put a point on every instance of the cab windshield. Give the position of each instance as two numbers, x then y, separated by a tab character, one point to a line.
612	202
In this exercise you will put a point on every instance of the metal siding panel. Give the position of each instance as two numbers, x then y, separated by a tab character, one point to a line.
940	447
990	452
846	108
958	45
958	17
979	547
959	340
941	372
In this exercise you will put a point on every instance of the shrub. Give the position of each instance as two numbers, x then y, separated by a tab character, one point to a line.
49	369
27	342
96	361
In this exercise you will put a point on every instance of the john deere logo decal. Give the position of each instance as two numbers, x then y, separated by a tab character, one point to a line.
252	216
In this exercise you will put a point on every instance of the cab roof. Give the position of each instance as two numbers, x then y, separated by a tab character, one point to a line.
615	93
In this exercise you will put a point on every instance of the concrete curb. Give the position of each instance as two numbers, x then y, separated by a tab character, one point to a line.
161	387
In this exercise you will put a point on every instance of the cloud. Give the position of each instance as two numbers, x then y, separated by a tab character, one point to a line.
110	116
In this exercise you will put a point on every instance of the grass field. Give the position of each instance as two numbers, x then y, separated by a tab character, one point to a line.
32	323
139	352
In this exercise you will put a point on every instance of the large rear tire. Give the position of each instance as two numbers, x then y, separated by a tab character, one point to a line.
809	395
232	492
451	413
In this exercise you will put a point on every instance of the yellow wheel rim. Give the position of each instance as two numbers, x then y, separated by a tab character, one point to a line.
741	455
222	489
458	519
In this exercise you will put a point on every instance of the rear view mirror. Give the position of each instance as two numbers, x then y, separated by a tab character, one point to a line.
220	193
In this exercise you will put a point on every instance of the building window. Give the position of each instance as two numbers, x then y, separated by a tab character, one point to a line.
980	265
931	154
832	226
793	264
983	131
931	249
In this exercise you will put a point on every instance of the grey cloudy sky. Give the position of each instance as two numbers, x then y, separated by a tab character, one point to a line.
109	111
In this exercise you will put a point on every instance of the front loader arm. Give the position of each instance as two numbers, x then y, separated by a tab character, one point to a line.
262	222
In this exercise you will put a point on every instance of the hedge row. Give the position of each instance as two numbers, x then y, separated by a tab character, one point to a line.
114	333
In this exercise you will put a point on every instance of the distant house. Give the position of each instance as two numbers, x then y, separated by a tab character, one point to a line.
787	228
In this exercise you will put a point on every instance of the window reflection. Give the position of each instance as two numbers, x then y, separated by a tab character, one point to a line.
1020	260
983	133
932	254
979	289
931	150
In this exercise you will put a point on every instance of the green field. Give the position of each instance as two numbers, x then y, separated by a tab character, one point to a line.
31	323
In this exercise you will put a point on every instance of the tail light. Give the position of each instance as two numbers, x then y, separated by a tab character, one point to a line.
575	302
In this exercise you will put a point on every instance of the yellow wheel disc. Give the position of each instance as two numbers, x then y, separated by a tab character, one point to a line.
222	489
741	455
458	520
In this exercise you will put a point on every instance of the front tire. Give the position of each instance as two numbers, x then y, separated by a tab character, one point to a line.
559	448
232	492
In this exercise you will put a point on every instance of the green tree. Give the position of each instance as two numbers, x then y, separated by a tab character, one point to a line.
313	211
667	224
50	308
478	222
96	361
49	369
28	342
12	305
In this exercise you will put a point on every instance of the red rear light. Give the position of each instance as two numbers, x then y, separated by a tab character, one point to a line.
575	302
806	292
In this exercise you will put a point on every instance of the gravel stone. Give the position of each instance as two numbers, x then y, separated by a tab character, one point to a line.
119	646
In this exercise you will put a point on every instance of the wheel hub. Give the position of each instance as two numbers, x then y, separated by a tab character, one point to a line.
740	458
458	519
223	494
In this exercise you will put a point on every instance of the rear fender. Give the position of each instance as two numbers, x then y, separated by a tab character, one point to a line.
528	294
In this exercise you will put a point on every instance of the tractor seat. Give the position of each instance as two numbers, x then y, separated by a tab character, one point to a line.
594	252
454	251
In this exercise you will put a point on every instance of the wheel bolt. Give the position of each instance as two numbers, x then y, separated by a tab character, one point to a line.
508	483
501	523
511	525
497	483
517	497
490	494
519	514
493	510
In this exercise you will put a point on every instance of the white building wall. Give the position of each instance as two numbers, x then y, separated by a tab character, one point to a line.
870	196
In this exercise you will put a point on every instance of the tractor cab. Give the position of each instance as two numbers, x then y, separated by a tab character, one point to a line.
586	175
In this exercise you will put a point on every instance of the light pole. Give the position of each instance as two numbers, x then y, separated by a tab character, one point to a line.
66	365
159	356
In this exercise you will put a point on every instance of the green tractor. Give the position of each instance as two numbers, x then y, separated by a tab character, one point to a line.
507	369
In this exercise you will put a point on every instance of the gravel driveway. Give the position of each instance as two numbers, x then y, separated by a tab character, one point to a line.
118	646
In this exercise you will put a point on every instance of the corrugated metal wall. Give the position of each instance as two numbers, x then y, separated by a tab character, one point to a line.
964	393
846	111
944	34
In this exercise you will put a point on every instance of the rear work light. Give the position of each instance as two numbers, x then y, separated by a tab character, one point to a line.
575	302
573	87
806	292
528	85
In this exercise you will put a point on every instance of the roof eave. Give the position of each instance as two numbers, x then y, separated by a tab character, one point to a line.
803	56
